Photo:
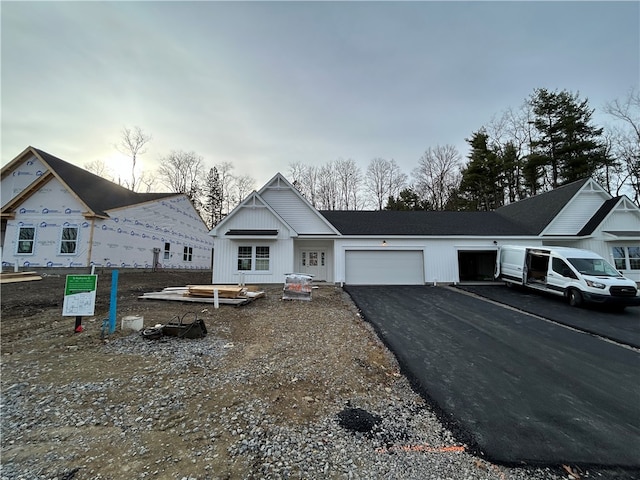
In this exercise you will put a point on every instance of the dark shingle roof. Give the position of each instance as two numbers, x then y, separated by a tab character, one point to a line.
599	216
98	193
393	222
537	212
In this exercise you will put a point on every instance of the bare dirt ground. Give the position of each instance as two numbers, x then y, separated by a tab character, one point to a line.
35	333
257	398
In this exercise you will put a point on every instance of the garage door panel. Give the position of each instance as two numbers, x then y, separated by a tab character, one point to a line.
384	267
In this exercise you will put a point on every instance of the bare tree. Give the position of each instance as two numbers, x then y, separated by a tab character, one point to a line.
383	179
227	180
132	143
148	180
180	171
245	184
349	177
438	175
100	168
305	179
624	143
327	187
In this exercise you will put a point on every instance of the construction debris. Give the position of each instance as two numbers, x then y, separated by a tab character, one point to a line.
14	277
223	294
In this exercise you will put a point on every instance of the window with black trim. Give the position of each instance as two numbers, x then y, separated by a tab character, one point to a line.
69	240
26	238
167	251
187	255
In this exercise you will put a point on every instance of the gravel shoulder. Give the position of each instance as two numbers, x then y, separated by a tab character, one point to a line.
266	394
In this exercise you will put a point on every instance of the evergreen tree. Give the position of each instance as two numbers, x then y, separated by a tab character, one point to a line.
408	199
213	198
482	184
567	147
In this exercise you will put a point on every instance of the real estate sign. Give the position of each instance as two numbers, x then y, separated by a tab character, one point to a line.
79	295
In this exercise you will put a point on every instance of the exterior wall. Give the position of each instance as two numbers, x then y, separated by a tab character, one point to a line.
126	240
576	214
440	254
20	178
302	218
225	257
128	237
225	261
325	245
48	210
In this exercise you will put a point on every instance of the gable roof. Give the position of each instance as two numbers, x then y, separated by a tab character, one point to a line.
435	223
97	193
538	211
599	216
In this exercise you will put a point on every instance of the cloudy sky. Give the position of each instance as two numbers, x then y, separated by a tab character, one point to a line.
265	84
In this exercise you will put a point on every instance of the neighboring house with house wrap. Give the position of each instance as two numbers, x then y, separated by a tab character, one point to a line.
55	214
276	231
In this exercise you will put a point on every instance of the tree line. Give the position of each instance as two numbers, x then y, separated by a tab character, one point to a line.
549	141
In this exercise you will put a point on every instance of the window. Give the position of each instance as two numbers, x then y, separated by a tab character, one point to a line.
626	258
620	258
634	258
187	256
69	240
26	237
253	259
262	258
167	251
561	268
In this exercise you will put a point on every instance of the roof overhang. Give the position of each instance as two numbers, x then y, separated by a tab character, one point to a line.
243	234
622	235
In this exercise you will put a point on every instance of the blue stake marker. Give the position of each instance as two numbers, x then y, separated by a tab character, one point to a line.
114	301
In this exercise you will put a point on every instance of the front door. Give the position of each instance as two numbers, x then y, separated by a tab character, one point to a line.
314	263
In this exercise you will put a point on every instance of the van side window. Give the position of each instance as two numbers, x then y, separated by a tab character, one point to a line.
561	268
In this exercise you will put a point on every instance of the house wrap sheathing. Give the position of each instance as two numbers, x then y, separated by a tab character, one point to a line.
55	214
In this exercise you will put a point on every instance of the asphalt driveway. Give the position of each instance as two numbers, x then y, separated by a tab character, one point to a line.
623	327
523	389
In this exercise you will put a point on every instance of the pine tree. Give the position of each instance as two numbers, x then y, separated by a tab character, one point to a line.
213	198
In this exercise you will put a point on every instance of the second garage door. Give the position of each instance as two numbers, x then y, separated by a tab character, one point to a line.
384	267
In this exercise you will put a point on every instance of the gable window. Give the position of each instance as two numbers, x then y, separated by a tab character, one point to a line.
187	255
167	250
26	237
69	240
253	259
626	258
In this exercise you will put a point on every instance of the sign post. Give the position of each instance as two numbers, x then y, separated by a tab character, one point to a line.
79	297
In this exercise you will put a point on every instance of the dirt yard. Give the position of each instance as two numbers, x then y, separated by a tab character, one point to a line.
257	398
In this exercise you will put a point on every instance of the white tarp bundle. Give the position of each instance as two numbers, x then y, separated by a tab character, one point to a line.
297	286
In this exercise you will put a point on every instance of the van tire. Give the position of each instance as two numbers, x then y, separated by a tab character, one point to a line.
575	297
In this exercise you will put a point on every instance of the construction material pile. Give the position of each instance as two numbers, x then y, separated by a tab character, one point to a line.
224	294
297	287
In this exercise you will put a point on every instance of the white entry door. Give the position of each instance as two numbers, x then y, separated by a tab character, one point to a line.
314	262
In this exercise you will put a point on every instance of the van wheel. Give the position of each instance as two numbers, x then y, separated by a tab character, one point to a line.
575	297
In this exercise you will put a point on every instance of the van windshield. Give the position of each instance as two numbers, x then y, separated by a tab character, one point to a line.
594	266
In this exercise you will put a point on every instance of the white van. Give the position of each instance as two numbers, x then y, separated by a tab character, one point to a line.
579	275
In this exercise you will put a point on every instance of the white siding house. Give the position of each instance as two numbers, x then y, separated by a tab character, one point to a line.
57	215
276	231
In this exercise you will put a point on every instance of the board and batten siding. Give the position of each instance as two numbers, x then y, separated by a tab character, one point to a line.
225	257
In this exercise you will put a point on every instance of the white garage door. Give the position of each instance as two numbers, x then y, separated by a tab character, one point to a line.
384	267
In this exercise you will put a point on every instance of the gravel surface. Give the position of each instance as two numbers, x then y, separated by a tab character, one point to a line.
277	389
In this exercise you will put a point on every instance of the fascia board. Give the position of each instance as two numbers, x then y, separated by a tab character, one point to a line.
281	179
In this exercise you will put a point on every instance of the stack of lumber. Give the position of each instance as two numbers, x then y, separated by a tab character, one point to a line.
227	294
13	277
